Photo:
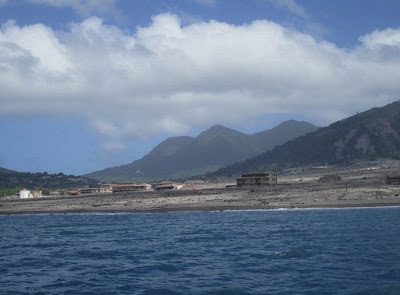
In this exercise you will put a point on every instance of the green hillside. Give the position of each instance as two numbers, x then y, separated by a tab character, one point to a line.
219	146
12	180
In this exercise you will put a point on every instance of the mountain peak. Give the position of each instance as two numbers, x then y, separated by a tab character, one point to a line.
282	133
294	124
218	131
291	122
218	128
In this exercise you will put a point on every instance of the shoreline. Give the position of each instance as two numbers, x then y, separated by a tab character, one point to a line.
361	187
359	205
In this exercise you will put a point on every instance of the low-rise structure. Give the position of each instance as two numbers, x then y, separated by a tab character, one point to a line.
73	193
25	194
129	187
166	186
90	190
261	178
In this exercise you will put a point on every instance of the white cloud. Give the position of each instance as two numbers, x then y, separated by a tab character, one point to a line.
168	78
291	6
379	39
83	7
41	43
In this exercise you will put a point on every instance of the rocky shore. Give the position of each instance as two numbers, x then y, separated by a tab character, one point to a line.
360	186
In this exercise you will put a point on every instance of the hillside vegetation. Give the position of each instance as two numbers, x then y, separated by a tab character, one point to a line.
185	156
11	181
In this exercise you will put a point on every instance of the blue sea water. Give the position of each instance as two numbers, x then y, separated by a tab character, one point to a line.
329	251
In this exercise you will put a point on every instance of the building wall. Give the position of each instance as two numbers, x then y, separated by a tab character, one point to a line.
130	187
257	179
24	194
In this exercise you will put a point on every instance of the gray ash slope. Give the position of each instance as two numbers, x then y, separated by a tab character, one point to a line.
185	156
365	136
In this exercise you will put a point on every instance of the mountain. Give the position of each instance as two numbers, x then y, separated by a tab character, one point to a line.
282	133
185	156
368	135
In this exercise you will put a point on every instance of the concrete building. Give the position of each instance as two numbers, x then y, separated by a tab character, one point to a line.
130	187
25	194
261	178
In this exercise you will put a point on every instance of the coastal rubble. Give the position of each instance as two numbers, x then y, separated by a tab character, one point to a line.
359	186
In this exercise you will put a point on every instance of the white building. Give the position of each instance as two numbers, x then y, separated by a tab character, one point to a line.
25	194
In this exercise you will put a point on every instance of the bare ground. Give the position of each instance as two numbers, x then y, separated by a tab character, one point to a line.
361	185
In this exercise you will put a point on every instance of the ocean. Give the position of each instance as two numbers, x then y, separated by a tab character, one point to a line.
307	251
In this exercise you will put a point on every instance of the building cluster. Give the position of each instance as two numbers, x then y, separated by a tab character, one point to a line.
252	179
126	187
106	188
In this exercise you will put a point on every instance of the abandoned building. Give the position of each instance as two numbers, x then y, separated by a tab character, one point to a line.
130	187
263	178
166	186
83	191
89	190
73	192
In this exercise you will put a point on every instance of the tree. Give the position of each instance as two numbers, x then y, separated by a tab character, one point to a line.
45	192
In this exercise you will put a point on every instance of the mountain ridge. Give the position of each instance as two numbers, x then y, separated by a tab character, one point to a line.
185	156
367	135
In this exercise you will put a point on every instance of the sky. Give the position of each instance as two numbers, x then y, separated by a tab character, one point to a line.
90	84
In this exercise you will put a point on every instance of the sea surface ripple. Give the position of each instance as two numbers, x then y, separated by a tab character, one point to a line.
346	251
